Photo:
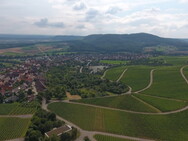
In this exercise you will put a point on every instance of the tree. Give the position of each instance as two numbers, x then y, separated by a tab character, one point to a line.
65	137
29	92
1	98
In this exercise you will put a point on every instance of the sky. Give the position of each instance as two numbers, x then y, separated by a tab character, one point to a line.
166	18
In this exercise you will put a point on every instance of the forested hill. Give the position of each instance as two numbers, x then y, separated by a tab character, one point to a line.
124	42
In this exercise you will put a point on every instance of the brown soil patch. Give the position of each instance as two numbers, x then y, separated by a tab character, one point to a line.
73	97
15	50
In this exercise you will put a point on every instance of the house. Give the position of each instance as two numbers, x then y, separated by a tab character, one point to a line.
58	131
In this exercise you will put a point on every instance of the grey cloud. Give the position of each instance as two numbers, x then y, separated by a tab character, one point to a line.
80	27
91	14
113	10
79	6
45	23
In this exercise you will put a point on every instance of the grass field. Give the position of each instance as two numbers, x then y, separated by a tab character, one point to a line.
172	127
168	82
109	138
11	128
137	77
115	73
113	62
17	109
126	102
162	104
185	71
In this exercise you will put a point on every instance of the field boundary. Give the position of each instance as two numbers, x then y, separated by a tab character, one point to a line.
147	104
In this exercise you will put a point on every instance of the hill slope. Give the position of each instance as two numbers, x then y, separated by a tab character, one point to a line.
124	42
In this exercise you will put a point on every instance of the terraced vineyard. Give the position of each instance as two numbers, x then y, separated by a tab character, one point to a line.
169	83
109	138
117	122
137	77
11	128
114	73
126	102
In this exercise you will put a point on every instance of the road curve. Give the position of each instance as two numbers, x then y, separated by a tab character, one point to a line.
104	74
150	83
182	74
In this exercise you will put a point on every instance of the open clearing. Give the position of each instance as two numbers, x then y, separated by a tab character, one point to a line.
171	127
109	138
11	128
126	102
114	73
168	82
137	77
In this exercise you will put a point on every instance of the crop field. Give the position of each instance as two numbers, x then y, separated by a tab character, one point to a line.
159	127
168	82
17	109
109	138
115	73
11	128
137	77
113	62
126	102
162	104
185	71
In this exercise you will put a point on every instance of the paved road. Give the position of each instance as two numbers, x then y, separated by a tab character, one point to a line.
150	83
81	69
121	75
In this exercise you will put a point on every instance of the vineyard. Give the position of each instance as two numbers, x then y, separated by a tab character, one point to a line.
13	128
18	109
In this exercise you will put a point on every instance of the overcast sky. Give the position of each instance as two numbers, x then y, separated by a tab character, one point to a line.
167	18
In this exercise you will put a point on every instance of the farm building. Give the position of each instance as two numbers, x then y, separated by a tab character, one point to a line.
58	131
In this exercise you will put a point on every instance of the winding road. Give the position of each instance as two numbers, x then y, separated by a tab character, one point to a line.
104	74
90	134
150	83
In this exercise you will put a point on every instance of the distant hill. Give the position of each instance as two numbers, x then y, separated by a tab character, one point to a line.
124	43
67	38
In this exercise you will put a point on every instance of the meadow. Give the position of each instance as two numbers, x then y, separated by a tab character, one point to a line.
137	77
162	104
114	73
108	138
178	60
171	127
113	62
126	102
169	83
11	128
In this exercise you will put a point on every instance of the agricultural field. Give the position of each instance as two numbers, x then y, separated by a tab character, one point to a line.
11	128
162	104
178	60
114	73
113	62
171	127
109	138
126	102
17	109
137	77
169	83
185	71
